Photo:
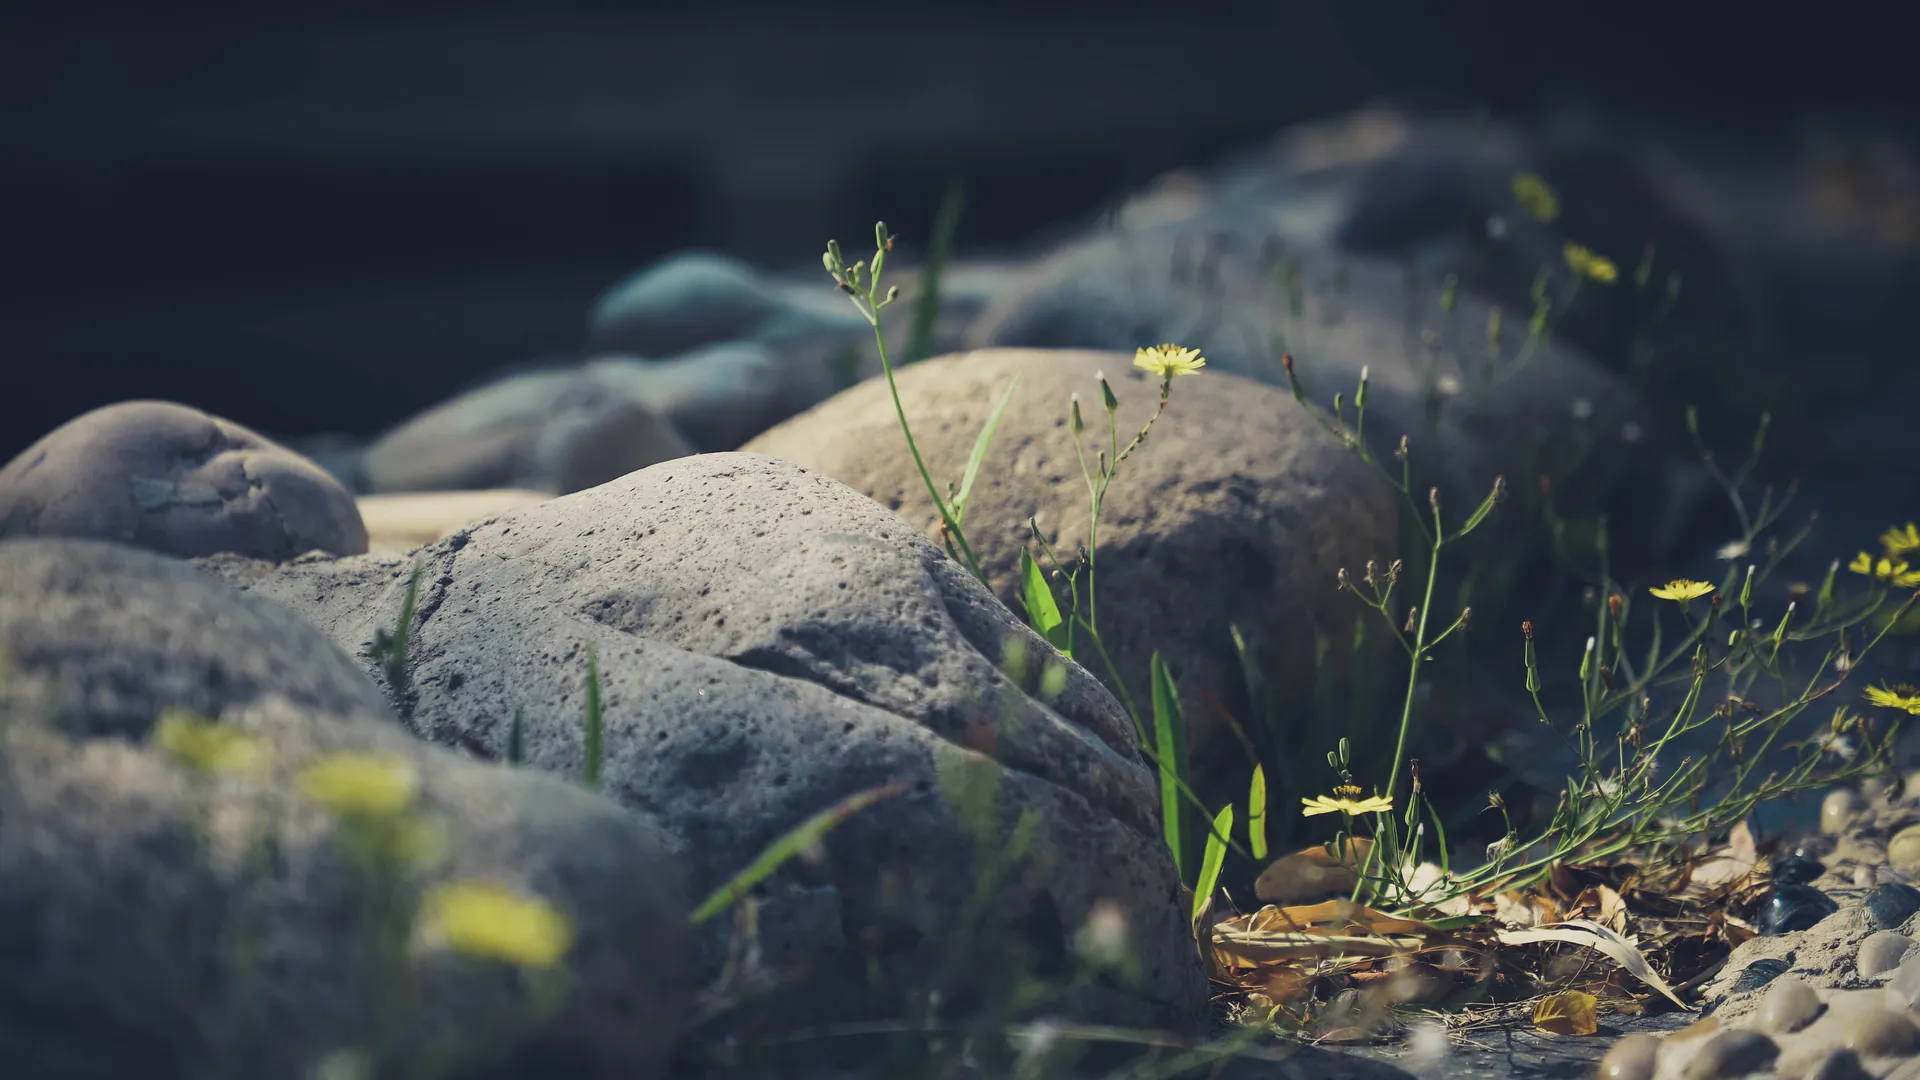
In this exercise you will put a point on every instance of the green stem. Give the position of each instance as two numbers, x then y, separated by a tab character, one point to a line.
900	411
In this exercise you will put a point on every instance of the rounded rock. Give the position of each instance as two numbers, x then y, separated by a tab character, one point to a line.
1796	869
1892	904
1790	1005
1839	1064
1864	877
1903	851
1905	984
1732	1053
1794	907
1838	810
172	479
1632	1058
1880	1033
1881	952
1759	974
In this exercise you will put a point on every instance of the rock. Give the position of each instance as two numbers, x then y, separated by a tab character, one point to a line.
1839	1064
1892	904
556	430
135	875
1632	1058
1905	984
403	522
1759	974
1864	877
1880	1033
769	643
1796	869
721	395
1794	907
175	480
1237	511
1903	851
1838	810
695	299
1732	1053
1790	1005
1882	952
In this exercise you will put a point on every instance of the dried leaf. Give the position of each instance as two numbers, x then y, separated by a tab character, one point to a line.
1730	864
1312	874
1570	1012
1525	909
1594	936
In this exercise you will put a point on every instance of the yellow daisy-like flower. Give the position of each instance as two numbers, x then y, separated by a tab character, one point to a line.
1166	361
1593	267
1346	799
1894	572
491	922
1899	541
361	785
1682	589
1902	697
1535	197
207	746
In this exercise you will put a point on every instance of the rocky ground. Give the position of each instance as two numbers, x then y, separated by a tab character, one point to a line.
617	624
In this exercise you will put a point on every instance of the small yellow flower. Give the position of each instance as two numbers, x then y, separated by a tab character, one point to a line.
361	785
1167	361
1902	697
1892	571
490	922
1346	799
1588	265
1682	589
1535	197
208	746
1899	541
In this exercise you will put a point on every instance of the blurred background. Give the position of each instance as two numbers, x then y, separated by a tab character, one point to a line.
324	217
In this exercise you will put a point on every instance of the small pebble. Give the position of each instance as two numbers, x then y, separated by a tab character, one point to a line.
1892	904
1790	1005
1880	1033
1732	1053
1794	907
1903	851
1796	869
1758	974
1838	810
1905	983
1864	877
1839	1065
1632	1058
1881	952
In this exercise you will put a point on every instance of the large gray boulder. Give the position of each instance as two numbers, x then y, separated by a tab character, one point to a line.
175	480
770	642
170	920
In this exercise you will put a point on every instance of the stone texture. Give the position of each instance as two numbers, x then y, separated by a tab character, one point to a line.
1236	511
769	643
175	480
127	882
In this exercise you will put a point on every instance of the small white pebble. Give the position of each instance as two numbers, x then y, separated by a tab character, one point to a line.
1864	877
1790	1005
1881	952
1838	809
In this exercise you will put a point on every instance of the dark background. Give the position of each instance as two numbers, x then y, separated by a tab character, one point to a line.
323	219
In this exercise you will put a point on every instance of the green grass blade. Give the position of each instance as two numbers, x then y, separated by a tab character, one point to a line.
1170	735
1043	614
979	453
517	738
596	721
800	838
926	306
1210	863
1257	813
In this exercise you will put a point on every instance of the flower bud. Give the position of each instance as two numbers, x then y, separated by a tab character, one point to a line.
1106	394
1074	423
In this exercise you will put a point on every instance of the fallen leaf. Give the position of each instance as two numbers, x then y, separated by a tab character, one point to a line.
1595	936
1312	874
1569	1012
1524	909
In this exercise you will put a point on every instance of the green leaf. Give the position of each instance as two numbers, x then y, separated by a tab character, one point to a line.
1042	613
596	721
926	305
517	738
979	453
1257	812
1170	737
1210	863
800	838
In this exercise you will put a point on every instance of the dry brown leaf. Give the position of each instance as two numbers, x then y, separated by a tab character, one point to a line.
1525	909
1312	874
1729	864
1569	1012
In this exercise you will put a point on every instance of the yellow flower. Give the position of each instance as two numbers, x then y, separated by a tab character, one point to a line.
207	746
1899	541
1167	361
1902	697
1892	571
490	922
1682	589
1535	197
1588	265
361	785
1346	799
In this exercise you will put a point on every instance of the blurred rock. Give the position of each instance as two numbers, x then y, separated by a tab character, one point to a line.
407	521
694	299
